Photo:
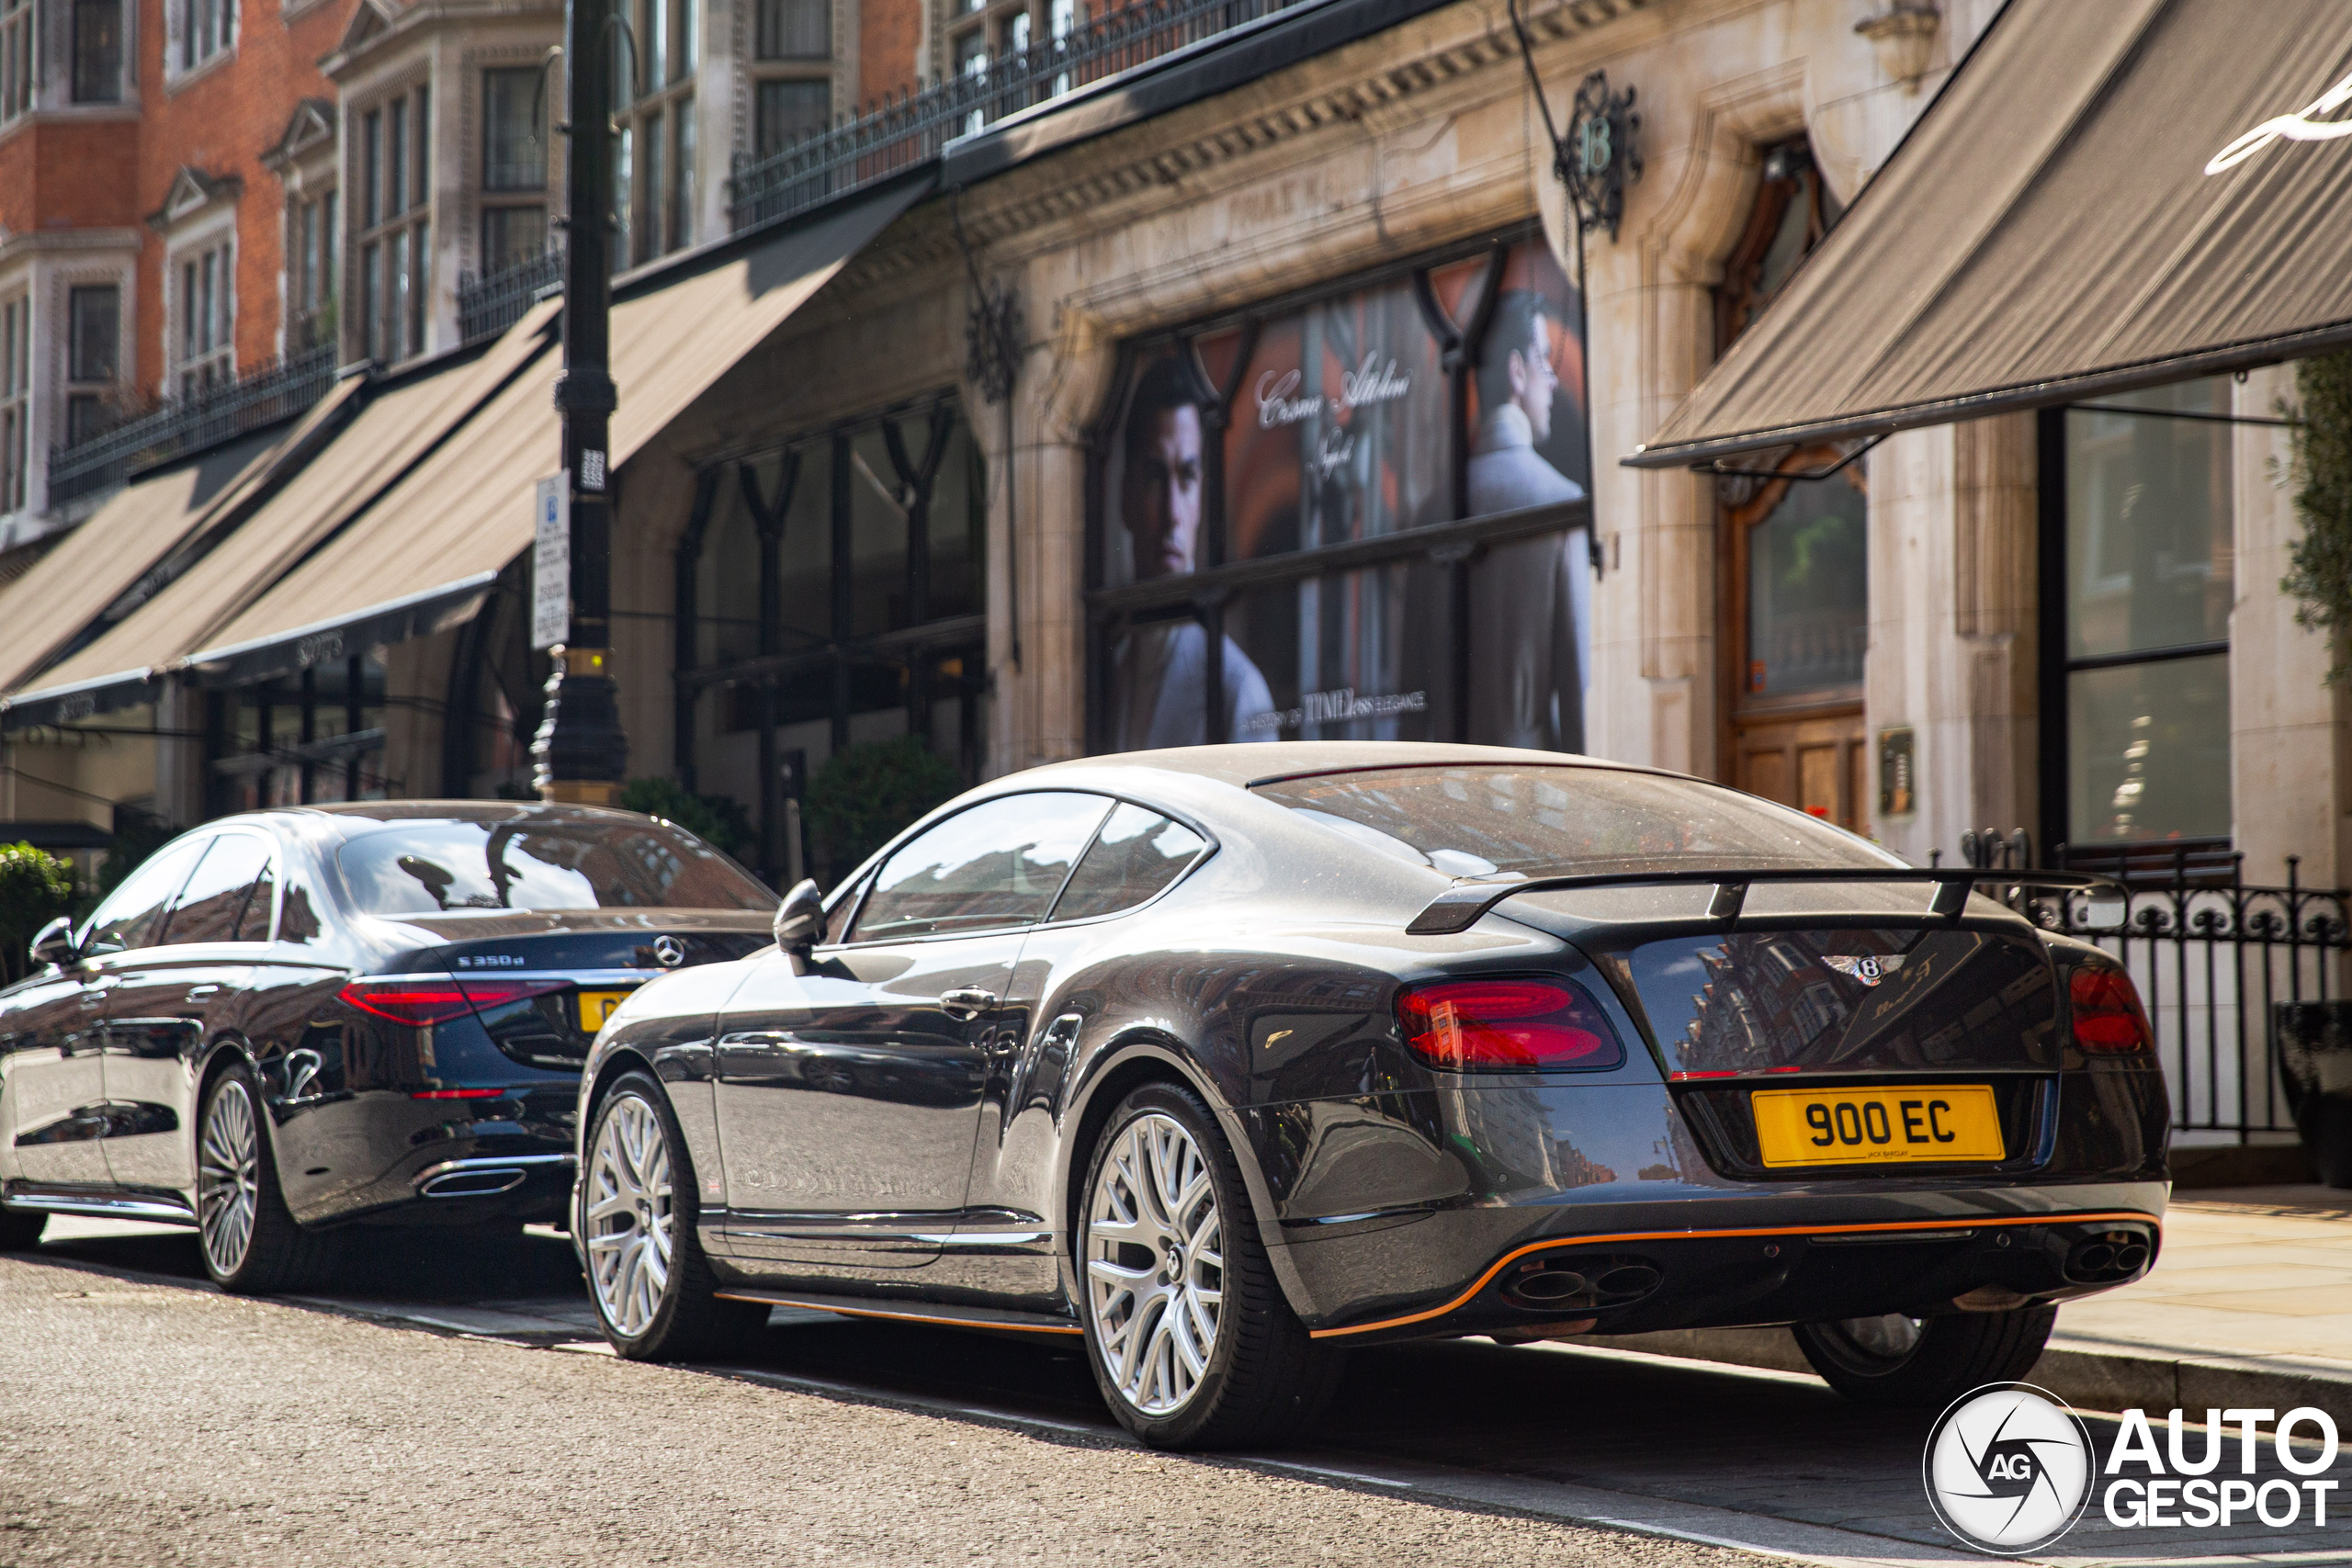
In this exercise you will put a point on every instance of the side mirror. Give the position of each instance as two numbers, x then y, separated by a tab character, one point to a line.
799	919
53	944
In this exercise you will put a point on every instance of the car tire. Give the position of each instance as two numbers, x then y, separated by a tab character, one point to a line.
653	1289
1881	1361
1166	1246
20	1229
252	1243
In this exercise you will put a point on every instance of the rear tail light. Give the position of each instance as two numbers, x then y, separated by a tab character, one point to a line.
2108	1020
421	1002
1475	1025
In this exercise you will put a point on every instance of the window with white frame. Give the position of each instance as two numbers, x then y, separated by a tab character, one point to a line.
17	72
204	304
513	167
93	357
980	33
97	52
200	29
309	270
653	166
16	402
395	244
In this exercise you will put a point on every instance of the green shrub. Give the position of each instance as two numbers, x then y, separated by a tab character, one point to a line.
718	820
34	889
867	792
2321	561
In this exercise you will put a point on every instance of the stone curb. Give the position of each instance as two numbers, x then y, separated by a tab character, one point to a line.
2084	1372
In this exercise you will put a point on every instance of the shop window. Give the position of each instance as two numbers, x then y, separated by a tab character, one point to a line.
497	686
653	168
97	52
1390	475
15	400
395	238
513	168
93	356
832	593
205	306
2142	590
300	739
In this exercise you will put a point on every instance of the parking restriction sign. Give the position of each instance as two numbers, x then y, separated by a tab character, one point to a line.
552	561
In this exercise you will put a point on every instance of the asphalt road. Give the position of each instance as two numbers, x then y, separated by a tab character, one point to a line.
448	1403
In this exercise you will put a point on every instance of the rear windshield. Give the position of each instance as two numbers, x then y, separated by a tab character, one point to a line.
419	868
1480	821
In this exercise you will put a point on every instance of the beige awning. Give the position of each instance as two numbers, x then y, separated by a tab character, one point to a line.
399	426
2104	196
118	556
426	552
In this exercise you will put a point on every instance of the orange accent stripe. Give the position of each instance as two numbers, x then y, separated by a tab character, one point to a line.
898	1316
1509	1257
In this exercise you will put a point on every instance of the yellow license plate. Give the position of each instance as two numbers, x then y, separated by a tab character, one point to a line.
597	1006
1877	1127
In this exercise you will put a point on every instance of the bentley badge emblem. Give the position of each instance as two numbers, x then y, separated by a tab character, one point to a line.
673	953
1870	968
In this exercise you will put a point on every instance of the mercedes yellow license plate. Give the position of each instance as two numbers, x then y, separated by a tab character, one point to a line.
597	1006
1877	1127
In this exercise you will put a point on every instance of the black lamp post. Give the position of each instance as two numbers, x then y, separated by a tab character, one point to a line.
580	751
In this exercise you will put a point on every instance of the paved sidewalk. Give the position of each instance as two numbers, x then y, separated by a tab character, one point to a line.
2249	1305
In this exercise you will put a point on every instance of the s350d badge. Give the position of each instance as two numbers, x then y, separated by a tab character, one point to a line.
1870	968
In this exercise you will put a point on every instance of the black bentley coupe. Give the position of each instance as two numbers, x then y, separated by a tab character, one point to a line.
1225	1059
292	1021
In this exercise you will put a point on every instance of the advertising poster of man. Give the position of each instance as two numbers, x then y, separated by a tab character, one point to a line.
1345	420
1159	672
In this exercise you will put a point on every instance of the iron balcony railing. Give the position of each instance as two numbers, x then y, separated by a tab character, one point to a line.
188	425
2211	957
908	129
490	304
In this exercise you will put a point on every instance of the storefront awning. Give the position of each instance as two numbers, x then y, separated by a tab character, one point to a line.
2104	196
114	555
430	546
399	425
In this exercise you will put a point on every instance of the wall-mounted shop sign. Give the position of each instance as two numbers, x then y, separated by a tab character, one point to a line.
1293	441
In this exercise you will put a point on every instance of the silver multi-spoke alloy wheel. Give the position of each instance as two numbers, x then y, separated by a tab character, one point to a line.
228	1177
1155	1264
631	1220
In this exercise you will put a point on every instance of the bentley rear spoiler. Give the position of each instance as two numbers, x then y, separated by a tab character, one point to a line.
1462	905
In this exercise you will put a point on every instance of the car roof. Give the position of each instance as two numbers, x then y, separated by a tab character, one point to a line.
349	817
1244	765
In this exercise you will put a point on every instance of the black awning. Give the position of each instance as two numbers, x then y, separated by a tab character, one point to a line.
2104	196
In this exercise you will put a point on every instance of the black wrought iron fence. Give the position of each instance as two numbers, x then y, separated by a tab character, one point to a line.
490	304
906	130
188	425
2210	954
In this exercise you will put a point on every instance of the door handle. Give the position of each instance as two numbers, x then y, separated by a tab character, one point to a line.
92	1000
199	993
967	1002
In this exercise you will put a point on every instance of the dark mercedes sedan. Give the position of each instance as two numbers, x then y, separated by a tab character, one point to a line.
292	1021
1226	1059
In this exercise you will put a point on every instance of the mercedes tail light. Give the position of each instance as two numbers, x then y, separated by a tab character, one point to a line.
1479	1025
422	1001
2108	1020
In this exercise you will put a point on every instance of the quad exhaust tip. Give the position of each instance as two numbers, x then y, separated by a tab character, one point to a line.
474	1183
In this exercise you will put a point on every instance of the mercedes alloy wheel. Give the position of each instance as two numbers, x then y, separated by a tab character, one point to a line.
228	1177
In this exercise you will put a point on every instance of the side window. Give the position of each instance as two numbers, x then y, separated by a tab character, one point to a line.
133	913
210	907
837	917
254	924
1136	854
1001	863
